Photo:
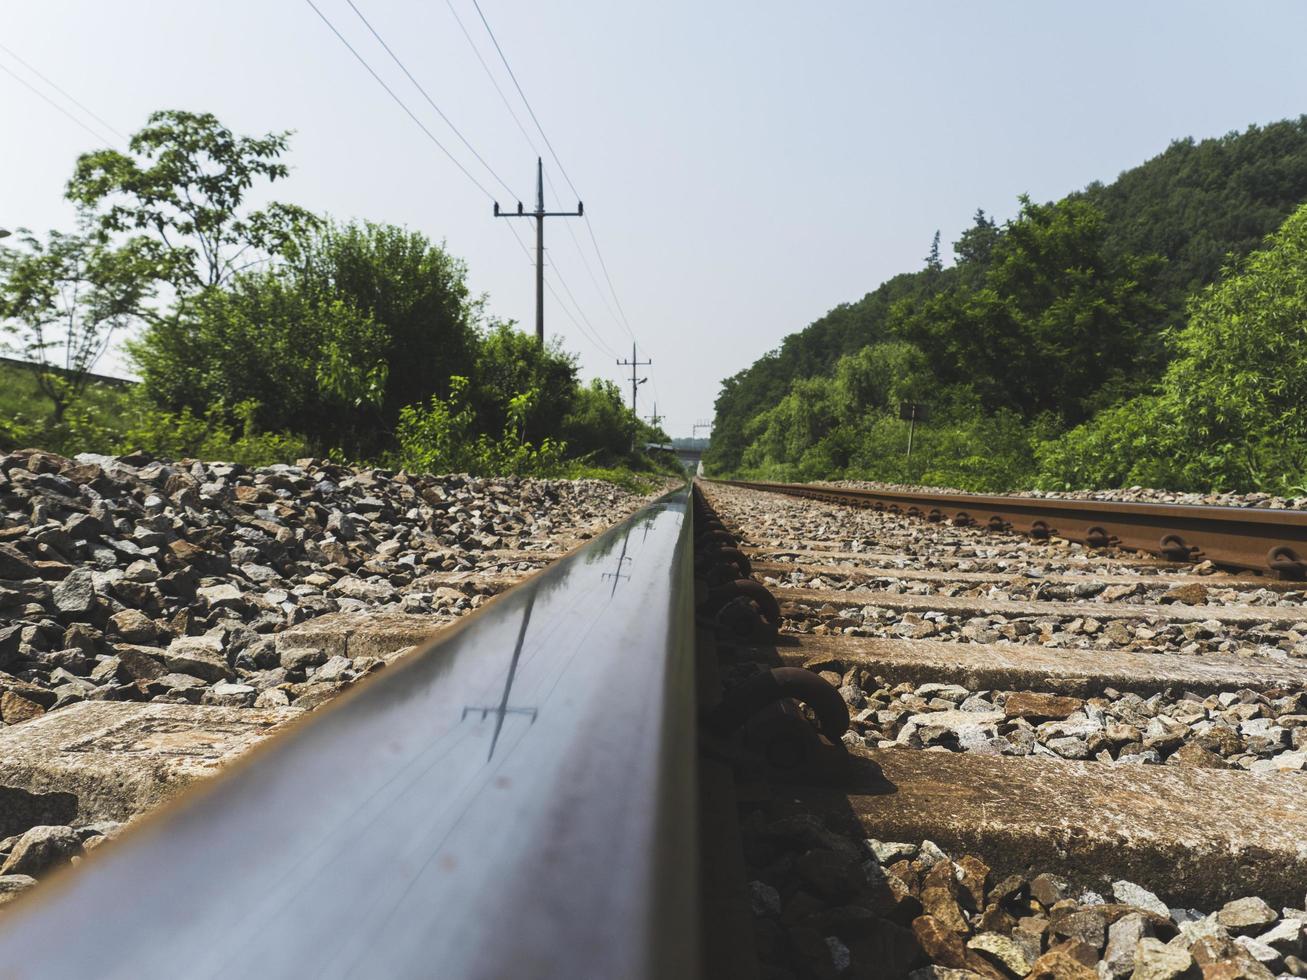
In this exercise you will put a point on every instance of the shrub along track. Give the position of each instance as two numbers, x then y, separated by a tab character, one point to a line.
1062	761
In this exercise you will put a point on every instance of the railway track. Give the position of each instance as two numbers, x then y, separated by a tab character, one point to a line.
765	734
1062	761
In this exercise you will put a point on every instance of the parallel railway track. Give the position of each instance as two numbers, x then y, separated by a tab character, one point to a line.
1082	731
949	746
1249	538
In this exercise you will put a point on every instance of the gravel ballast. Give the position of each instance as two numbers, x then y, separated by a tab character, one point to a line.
131	578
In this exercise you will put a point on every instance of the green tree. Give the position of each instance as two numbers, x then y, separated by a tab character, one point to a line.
184	184
1238	383
63	300
599	422
413	288
311	362
509	362
1228	414
1054	318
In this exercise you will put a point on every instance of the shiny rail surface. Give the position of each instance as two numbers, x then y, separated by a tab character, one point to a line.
1258	539
516	799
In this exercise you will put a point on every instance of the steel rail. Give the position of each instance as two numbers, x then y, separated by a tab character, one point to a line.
1258	539
516	799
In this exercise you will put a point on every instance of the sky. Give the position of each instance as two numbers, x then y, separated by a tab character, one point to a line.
745	166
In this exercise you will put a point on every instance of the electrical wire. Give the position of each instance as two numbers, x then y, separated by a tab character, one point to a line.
625	322
36	91
595	341
589	332
493	81
431	102
503	98
62	92
494	40
400	102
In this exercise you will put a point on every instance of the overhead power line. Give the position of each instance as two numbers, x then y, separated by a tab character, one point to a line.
400	102
626	323
431	102
63	92
495	82
36	91
526	102
576	242
595	340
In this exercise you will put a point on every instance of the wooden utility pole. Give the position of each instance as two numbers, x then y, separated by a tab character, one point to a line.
540	214
655	419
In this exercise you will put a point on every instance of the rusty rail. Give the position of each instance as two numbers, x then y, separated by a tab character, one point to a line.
1253	539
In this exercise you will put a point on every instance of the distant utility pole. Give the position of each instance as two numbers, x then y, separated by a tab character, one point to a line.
655	418
634	363
701	425
540	214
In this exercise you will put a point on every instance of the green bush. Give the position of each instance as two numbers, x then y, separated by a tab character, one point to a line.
1229	411
438	438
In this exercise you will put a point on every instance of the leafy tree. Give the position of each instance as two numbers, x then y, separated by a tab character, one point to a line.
599	422
1052	320
1238	383
933	263
1228	414
184	183
508	362
1130	444
311	362
64	299
414	289
1011	334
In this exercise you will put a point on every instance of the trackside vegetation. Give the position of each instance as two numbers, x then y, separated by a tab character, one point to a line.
1150	331
263	334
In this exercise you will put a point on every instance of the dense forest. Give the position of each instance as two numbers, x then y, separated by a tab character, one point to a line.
1151	330
260	335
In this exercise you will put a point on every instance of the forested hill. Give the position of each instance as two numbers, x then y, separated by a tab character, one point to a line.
1084	288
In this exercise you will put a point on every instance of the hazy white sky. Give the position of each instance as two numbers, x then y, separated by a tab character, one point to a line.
746	165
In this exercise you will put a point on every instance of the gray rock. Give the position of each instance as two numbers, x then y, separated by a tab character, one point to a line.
1128	893
1000	949
840	957
1123	937
1267	956
1069	747
181	682
1205	928
1286	936
201	656
273	697
41	848
338	668
75	595
221	596
13	885
301	658
1155	960
230	695
930	854
764	899
887	852
1246	916
15	565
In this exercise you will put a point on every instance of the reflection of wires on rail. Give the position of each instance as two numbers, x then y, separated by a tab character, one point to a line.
503	709
618	575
